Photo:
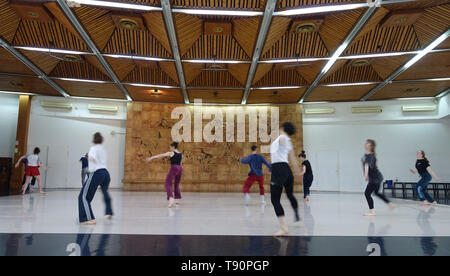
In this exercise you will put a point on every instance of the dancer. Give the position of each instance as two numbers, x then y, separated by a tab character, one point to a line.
281	153
32	169
84	168
175	173
24	180
307	175
426	173
255	162
373	176
98	176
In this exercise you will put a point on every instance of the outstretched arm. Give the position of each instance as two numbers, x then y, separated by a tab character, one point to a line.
162	155
246	160
20	160
267	164
433	174
42	165
413	171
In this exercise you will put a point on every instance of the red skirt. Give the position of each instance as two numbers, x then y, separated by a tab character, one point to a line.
32	171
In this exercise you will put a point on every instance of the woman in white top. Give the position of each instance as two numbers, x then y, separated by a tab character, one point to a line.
33	165
98	176
281	152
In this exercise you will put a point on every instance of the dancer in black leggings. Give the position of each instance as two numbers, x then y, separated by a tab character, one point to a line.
281	152
373	176
426	175
307	175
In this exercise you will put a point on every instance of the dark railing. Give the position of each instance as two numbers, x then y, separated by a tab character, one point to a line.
407	190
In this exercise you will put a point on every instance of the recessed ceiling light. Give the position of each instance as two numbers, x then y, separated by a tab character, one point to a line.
321	9
218	12
121	5
49	50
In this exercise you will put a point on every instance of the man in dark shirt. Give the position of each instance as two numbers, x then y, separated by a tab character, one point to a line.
84	168
255	162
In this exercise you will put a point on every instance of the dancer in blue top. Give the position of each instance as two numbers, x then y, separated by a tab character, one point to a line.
255	162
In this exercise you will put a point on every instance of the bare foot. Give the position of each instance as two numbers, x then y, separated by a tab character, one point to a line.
392	206
282	232
171	202
424	203
109	217
434	203
90	222
42	192
371	213
307	198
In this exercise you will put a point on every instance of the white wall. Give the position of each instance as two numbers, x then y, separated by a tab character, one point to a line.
9	109
65	135
398	136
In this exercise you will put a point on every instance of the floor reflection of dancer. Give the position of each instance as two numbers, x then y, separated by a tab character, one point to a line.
423	168
307	175
32	170
373	176
98	176
255	162
174	174
281	153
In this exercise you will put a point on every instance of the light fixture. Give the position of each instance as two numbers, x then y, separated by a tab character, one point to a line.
418	108
277	87
100	99
82	80
151	85
63	105
428	49
49	50
138	57
121	5
292	60
348	84
218	12
444	93
319	111
103	108
321	9
17	93
215	61
367	109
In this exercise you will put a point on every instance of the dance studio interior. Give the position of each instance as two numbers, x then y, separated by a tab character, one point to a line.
250	129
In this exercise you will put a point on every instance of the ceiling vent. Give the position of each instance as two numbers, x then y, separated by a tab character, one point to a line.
31	11
72	58
215	67
306	26
401	18
412	89
128	21
217	28
360	63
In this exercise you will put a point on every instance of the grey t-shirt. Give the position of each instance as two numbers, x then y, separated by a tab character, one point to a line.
375	175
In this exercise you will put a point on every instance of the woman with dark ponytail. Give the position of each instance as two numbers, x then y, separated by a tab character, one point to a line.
174	174
426	175
373	177
307	175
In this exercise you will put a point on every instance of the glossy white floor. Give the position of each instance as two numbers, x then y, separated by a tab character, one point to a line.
328	214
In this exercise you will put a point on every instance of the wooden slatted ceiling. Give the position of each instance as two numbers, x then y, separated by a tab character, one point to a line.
188	29
122	67
261	71
293	45
216	96
349	74
386	65
156	25
191	70
10	64
384	40
278	28
215	79
148	2
170	69
135	42
47	35
434	65
220	4
144	94
94	90
78	70
287	4
309	71
149	75
281	78
239	71
42	60
9	21
416	4
216	47
432	23
245	31
26	84
410	90
339	94
97	22
281	96
59	15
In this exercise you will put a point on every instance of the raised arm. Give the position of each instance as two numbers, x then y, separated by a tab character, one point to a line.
433	174
162	155
20	160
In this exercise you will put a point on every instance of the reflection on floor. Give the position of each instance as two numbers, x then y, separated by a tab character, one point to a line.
219	224
147	245
328	214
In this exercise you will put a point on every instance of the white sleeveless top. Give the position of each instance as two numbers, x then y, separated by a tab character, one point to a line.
279	153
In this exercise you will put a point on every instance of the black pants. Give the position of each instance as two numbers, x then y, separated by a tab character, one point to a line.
282	177
99	178
307	182
374	187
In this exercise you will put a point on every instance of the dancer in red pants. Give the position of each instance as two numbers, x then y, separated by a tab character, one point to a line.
255	162
175	173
